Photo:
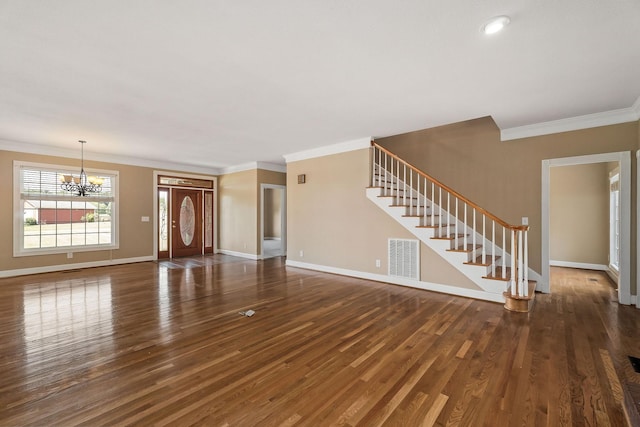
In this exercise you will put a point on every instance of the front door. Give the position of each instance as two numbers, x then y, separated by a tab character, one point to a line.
186	222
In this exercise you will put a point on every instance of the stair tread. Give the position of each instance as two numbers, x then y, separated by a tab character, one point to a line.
520	304
532	292
433	226
478	261
418	205
401	198
498	274
461	248
449	237
399	190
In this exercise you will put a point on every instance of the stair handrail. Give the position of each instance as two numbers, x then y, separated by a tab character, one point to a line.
452	191
519	264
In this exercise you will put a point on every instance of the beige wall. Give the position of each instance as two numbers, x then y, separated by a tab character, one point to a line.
136	237
265	177
237	200
579	213
505	177
239	203
331	220
238	212
272	213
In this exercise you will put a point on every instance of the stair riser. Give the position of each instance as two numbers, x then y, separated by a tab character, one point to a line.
436	232
426	214
457	259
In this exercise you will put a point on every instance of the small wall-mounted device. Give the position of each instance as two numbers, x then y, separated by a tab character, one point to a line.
302	178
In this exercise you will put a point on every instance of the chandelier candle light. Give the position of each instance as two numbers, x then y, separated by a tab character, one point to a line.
81	184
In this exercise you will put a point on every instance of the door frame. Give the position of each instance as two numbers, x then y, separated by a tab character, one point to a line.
178	248
283	217
624	160
637	230
156	174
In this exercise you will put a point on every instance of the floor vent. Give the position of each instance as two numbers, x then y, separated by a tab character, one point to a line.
404	258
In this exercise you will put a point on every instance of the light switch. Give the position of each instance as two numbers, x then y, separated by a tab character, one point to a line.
145	219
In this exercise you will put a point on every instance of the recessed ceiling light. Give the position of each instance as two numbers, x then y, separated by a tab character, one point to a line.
495	24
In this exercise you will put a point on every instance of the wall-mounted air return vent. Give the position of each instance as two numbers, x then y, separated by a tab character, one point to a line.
404	258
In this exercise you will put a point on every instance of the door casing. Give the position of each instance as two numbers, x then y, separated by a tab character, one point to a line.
624	160
158	173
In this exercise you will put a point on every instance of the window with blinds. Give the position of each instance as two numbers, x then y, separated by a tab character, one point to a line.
49	219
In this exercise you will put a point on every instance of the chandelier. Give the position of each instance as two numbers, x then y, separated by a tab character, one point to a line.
81	184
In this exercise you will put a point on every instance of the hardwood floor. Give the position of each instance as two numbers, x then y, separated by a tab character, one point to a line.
163	343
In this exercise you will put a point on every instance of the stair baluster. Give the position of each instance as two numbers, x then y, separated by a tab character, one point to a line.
504	245
464	238
493	248
484	239
474	233
389	173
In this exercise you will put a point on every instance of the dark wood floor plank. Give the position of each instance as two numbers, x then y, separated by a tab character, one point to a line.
163	343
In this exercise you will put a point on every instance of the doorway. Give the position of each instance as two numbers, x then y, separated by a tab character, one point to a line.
184	219
624	161
186	222
273	220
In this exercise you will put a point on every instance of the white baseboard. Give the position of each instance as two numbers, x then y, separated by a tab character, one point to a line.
613	276
62	267
581	265
435	287
240	254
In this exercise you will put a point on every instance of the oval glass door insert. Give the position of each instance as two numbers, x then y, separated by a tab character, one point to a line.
187	220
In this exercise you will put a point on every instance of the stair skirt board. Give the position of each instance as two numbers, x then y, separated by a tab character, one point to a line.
427	286
479	240
456	259
474	273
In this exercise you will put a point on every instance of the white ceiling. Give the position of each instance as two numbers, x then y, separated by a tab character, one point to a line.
220	83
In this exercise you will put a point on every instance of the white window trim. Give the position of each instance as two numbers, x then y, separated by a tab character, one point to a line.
18	238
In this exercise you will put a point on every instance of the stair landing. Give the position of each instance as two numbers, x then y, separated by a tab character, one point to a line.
520	304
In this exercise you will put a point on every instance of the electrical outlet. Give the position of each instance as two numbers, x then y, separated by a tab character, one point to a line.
69	255
525	220
378	263
301	253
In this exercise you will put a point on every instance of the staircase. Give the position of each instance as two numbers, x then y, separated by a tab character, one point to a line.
470	238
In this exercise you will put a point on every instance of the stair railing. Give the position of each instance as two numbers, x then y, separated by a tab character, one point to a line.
438	206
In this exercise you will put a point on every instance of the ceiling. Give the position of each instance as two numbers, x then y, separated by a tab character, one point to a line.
214	84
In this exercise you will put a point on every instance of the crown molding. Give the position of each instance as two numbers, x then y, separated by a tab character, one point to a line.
327	150
605	118
272	167
46	150
254	165
636	107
